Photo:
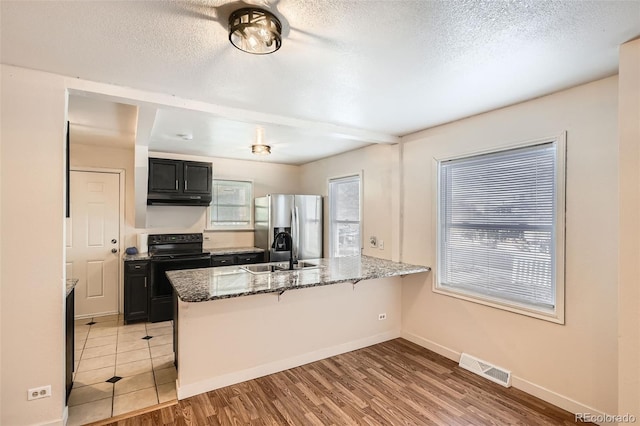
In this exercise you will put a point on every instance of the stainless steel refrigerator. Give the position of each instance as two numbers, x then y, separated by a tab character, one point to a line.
298	215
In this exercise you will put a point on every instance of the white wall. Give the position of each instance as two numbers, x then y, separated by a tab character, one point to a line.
227	341
572	362
380	167
32	262
629	264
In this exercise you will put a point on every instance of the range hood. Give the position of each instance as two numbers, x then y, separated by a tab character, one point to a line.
156	199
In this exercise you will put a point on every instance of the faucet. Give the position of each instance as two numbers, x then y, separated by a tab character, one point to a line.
286	235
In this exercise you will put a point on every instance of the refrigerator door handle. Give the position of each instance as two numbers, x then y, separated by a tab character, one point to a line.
296	234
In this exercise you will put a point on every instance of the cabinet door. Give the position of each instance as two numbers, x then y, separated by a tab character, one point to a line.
136	299
246	258
197	178
164	175
136	291
223	260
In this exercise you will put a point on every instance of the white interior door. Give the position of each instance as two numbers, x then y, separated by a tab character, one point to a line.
93	233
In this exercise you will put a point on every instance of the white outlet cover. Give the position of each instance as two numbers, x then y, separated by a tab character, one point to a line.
37	393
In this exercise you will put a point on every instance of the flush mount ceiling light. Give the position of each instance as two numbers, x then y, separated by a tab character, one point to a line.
259	148
254	30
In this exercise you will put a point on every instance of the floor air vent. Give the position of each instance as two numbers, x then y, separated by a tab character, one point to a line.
484	369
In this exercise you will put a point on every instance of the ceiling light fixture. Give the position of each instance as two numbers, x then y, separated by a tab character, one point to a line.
259	148
254	30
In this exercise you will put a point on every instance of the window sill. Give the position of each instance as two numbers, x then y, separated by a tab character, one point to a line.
553	316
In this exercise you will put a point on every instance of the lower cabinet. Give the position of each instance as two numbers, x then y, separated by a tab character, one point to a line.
136	291
236	259
246	258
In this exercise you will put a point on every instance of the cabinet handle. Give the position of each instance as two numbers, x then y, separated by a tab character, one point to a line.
145	282
186	185
176	184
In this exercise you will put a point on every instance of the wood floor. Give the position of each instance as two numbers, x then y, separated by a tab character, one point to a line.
392	383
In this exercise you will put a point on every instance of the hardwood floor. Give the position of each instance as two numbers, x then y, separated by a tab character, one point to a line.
392	383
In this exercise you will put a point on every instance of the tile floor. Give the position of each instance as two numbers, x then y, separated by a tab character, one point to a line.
120	368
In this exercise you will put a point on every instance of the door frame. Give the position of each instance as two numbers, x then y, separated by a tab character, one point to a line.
121	188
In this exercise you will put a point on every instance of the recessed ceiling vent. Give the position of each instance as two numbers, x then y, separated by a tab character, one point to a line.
489	371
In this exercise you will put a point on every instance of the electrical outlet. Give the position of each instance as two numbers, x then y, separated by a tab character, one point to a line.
373	242
382	316
381	244
37	393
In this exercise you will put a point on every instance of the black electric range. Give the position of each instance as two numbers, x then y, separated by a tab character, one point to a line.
169	252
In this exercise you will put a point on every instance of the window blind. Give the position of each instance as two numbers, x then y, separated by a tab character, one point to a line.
344	195
497	225
231	203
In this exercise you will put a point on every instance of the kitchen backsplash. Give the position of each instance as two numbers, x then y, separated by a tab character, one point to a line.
228	239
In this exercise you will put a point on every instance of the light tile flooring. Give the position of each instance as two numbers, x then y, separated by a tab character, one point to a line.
120	368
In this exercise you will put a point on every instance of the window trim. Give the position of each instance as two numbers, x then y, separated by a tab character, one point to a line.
217	228
555	315
330	204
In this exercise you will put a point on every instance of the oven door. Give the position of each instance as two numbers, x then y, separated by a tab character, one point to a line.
161	298
160	285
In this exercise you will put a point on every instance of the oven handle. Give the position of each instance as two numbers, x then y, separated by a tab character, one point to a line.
170	258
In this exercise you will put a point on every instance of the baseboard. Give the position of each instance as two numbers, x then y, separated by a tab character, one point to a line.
101	314
65	415
432	346
556	399
59	422
543	393
281	365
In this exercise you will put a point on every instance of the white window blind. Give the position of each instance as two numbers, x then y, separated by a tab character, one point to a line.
231	203
344	225
497	225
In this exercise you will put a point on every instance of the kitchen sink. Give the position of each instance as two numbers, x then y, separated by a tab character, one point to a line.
267	268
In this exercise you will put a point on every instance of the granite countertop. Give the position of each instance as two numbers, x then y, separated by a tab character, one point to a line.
199	285
71	284
139	256
211	251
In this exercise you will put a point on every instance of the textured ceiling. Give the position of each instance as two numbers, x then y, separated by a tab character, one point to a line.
393	67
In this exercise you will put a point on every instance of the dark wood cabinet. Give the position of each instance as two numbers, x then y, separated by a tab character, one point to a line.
246	258
237	259
164	175
136	291
197	177
223	260
70	342
179	182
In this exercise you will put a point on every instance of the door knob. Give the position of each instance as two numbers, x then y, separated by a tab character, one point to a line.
114	241
114	250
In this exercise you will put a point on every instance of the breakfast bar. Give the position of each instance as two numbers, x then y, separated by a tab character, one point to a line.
236	323
199	285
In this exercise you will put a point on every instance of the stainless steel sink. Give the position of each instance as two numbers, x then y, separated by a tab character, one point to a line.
303	264
267	268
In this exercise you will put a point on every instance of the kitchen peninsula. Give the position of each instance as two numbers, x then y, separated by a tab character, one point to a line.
227	338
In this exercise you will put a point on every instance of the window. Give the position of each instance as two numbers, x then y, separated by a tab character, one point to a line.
231	204
344	225
500	226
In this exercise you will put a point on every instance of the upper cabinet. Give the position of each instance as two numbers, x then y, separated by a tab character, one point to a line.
179	183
